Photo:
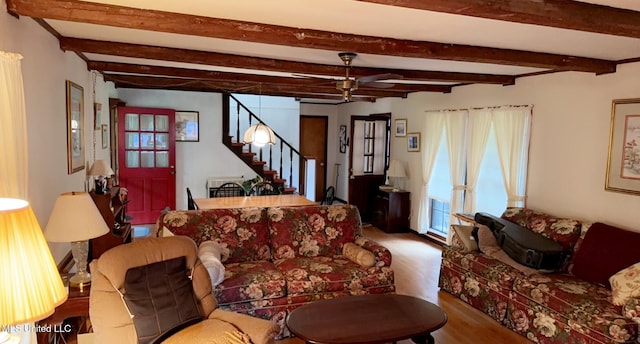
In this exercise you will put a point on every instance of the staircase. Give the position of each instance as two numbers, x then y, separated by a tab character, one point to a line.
270	162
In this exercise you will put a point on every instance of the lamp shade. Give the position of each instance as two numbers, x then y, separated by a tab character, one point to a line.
75	217
396	169
259	135
100	168
31	286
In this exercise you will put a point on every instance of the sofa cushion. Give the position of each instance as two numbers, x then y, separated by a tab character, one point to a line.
242	233
160	298
462	238
604	251
584	304
250	281
358	254
312	231
315	275
564	231
481	265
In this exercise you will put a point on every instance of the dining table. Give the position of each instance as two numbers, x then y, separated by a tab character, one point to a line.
253	201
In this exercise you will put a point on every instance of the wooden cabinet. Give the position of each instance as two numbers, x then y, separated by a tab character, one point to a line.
391	211
113	209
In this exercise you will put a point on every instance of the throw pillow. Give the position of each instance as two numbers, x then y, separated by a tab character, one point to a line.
160	299
625	284
604	251
209	253
488	244
358	254
464	234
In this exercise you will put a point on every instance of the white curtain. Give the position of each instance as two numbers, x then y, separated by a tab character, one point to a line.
432	131
479	128
512	126
13	129
456	126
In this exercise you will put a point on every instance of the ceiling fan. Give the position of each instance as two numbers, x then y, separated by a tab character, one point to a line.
350	84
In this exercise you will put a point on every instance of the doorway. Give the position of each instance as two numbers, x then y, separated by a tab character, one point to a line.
146	161
313	143
369	158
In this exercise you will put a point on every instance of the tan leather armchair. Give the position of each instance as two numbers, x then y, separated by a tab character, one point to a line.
110	318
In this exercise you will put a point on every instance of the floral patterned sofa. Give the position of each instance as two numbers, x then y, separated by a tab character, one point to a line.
573	305
277	259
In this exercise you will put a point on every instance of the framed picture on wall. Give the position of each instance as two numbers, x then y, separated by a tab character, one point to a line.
75	127
413	142
401	127
344	140
187	126
623	162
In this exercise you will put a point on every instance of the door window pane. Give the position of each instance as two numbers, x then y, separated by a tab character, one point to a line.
131	121
162	141
132	159
146	141
162	159
132	141
162	123
147	159
146	122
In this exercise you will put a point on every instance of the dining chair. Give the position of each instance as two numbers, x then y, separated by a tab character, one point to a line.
264	188
229	190
191	205
329	197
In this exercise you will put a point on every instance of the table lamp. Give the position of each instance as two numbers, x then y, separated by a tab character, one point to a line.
396	170
76	219
31	286
102	170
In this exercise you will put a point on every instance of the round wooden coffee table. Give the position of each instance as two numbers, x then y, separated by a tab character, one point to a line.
379	318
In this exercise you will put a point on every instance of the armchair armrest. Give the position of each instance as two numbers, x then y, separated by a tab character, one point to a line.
260	331
382	254
631	309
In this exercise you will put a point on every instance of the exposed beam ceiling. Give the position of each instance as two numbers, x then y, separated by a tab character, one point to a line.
554	13
284	48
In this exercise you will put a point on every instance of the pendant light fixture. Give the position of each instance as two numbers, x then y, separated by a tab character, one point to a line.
259	134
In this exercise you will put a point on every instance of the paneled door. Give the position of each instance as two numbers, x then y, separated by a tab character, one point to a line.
146	159
313	143
369	154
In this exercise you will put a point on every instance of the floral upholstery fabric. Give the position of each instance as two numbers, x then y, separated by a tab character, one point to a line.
625	284
382	254
481	265
242	233
312	231
563	231
314	275
582	306
250	281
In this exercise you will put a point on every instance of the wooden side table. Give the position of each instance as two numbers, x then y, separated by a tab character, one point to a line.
77	305
391	211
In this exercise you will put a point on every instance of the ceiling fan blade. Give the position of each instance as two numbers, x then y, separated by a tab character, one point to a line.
372	78
314	77
377	84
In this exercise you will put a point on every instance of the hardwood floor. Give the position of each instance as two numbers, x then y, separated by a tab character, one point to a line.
416	262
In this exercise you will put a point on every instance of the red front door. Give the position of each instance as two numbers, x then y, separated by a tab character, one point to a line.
146	160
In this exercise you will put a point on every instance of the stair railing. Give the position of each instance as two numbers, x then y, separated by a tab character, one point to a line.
285	159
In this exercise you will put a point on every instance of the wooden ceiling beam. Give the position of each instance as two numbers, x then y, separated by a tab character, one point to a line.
574	15
160	21
234	86
249	78
245	62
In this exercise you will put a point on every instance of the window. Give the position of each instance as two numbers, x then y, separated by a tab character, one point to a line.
370	152
439	216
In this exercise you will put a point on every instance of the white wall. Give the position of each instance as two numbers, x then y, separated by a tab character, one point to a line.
45	68
195	161
569	142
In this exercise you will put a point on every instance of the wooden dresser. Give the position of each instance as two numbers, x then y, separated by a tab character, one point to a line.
391	210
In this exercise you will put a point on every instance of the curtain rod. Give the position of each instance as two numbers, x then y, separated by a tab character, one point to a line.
480	108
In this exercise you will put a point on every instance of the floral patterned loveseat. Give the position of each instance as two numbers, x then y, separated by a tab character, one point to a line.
573	305
279	258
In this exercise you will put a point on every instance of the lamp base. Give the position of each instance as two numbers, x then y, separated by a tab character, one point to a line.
80	251
80	280
8	338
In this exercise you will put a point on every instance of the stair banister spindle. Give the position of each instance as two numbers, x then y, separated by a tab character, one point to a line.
281	151
270	157
238	139
290	164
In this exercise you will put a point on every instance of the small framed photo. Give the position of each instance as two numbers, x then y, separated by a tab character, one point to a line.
401	127
75	127
623	162
97	116
413	142
187	126
105	136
